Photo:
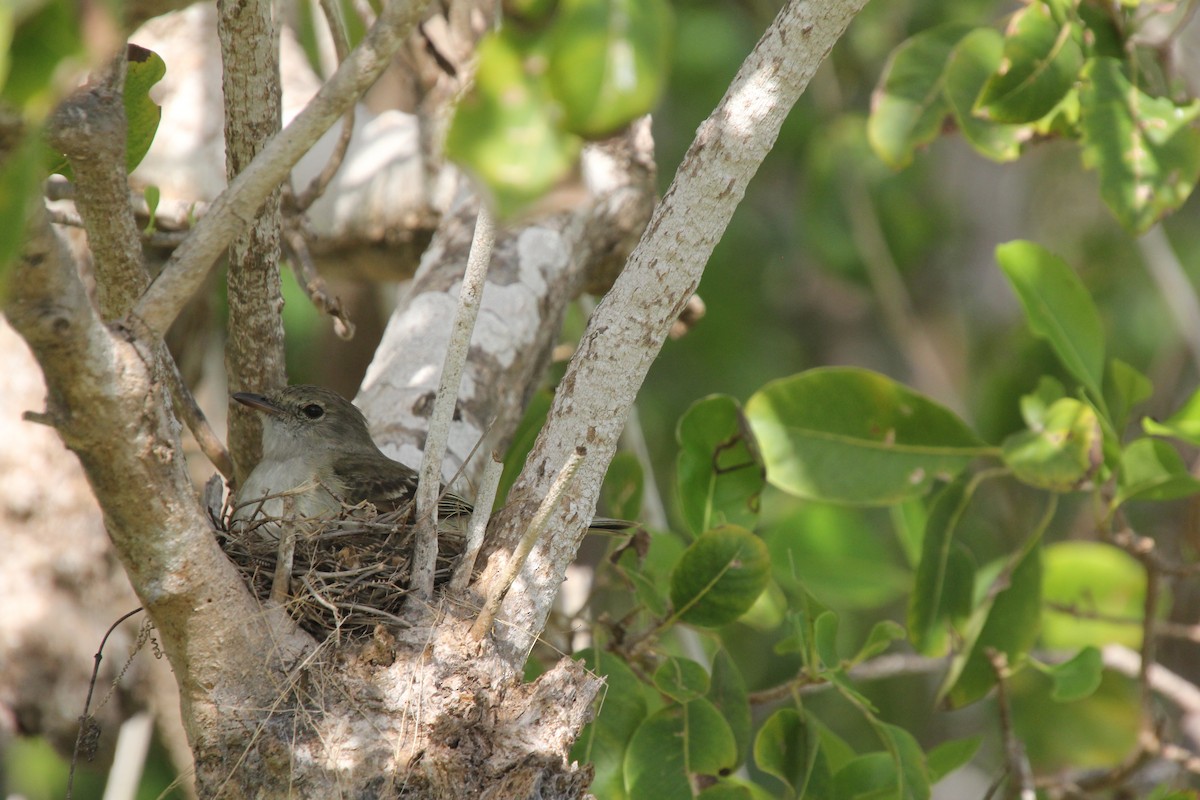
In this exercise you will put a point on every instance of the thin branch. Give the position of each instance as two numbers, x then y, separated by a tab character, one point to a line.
892	665
489	482
332	10
498	589
630	325
90	129
189	411
469	300
314	286
1020	776
235	207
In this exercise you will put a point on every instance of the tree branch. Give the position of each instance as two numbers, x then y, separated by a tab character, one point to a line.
233	210
254	359
630	325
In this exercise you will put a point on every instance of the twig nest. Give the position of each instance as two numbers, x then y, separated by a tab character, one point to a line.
348	574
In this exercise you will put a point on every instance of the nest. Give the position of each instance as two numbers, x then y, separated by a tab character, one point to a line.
348	575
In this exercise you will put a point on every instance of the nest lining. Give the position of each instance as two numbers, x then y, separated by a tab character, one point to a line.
348	574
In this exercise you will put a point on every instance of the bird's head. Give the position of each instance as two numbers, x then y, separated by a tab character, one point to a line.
307	421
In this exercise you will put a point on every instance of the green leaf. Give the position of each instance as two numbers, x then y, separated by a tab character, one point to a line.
624	486
609	61
789	749
825	629
729	791
152	195
944	582
836	554
719	577
1011	627
908	107
853	436
871	775
145	68
1040	64
882	634
1058	309
1034	406
974	59
20	181
1145	149
1124	388
1151	469
728	695
41	41
673	743
950	756
719	475
1095	580
681	679
1077	678
1184	424
909	761
506	130
1062	453
621	710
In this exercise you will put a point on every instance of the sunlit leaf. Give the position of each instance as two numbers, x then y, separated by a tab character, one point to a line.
1151	469
853	436
1184	424
1144	148
1062	452
145	68
974	59
1058	308
609	61
908	107
1087	586
1040	63
507	130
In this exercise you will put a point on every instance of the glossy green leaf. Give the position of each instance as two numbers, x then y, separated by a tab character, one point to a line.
1011	627
1093	580
145	68
673	743
1076	678
1184	424
609	61
506	130
944	583
681	679
853	436
729	696
1145	149
1040	64
1062	453
871	775
789	749
719	474
1058	309
719	576
909	107
972	62
1151	469
950	756
622	708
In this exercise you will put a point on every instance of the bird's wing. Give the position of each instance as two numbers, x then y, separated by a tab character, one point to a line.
387	484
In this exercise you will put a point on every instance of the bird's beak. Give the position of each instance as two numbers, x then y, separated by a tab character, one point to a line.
258	402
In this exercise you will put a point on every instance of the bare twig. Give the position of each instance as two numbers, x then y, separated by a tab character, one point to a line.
1020	776
314	285
470	298
499	588
341	45
188	409
484	498
230	213
892	665
87	725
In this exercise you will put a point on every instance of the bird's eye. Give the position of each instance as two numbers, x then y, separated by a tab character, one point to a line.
313	411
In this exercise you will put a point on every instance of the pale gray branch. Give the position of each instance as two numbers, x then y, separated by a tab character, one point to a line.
630	325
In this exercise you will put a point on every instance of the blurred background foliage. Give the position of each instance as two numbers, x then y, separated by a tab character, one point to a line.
833	258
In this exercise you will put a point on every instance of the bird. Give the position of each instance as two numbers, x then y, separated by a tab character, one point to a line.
317	449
